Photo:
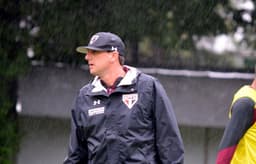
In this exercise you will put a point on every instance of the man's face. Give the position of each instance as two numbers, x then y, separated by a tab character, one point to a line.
98	62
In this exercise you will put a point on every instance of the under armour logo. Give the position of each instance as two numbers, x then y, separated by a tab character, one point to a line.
113	48
96	102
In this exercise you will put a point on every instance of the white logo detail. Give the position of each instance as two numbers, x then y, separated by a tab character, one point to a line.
93	39
130	99
96	102
96	111
113	48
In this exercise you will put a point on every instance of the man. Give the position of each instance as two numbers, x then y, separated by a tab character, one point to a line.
123	116
238	144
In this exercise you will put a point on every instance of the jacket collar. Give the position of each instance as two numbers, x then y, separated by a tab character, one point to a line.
129	79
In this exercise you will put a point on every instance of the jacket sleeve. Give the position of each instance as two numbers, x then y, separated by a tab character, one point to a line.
240	122
77	152
168	139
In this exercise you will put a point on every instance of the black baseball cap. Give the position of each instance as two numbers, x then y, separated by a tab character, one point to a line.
104	41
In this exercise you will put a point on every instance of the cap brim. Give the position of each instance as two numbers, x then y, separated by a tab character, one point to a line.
84	49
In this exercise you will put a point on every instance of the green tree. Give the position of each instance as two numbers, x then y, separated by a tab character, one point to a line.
12	63
168	26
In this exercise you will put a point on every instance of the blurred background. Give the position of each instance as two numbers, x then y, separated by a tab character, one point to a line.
201	51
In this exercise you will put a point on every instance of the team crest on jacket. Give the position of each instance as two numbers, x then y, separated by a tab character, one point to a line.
130	99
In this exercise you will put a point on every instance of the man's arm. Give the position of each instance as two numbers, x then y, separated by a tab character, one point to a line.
240	122
168	139
77	153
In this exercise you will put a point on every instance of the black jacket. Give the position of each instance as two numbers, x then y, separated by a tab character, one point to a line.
135	124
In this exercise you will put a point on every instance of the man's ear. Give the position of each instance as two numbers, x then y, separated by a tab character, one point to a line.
114	56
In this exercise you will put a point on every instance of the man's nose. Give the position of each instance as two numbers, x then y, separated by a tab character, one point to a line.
86	57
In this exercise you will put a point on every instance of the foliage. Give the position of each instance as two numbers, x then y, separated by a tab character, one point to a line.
9	140
12	63
169	26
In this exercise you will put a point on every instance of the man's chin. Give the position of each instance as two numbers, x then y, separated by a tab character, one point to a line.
93	73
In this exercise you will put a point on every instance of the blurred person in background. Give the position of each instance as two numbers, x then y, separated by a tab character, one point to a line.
238	144
123	116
